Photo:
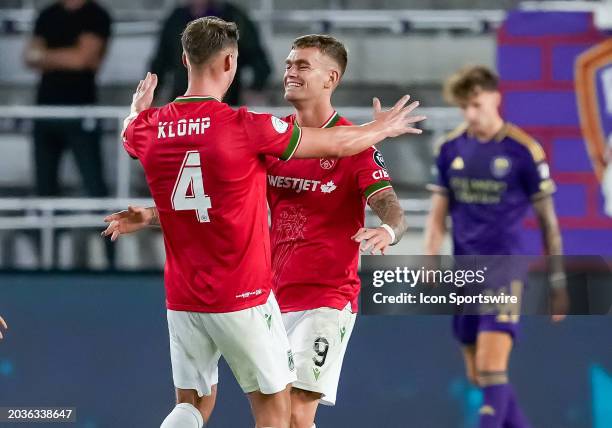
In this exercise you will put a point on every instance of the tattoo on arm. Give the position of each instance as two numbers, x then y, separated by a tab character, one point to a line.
387	207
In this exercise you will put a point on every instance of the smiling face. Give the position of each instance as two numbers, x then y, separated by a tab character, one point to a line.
309	74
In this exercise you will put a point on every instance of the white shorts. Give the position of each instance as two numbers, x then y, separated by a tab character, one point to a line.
253	341
318	338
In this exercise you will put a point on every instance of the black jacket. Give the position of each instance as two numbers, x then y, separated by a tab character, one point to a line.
167	60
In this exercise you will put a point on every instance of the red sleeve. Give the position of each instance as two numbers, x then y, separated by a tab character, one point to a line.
131	144
372	174
271	135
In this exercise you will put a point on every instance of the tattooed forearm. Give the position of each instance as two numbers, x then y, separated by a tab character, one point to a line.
551	236
547	218
387	207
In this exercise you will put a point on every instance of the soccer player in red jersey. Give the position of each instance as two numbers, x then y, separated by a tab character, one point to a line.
317	208
218	268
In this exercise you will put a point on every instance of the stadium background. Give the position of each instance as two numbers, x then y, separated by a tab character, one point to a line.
84	336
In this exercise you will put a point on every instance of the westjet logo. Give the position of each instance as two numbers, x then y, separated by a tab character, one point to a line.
297	184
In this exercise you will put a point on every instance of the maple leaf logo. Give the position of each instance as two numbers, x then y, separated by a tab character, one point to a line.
328	187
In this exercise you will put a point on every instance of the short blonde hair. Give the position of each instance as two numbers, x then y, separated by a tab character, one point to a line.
327	45
204	37
468	81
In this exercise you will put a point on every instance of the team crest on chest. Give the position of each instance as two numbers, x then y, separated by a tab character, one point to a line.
500	166
327	163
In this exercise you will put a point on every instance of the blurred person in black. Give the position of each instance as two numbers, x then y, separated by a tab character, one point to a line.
167	59
67	47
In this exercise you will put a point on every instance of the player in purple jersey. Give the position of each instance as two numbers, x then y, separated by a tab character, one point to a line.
489	172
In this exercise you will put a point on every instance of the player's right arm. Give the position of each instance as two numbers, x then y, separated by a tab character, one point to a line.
342	141
435	228
141	100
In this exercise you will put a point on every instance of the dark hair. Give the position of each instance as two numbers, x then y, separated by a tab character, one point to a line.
468	81
204	37
328	45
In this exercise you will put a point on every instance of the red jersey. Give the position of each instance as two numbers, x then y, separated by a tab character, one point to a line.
317	205
205	168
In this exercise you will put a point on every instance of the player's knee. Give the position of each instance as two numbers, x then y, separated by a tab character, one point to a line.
301	418
187	396
206	404
303	408
275	413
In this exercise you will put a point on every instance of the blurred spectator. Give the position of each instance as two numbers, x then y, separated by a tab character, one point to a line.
168	55
67	47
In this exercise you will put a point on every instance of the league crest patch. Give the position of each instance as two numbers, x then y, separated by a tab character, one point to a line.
379	160
279	125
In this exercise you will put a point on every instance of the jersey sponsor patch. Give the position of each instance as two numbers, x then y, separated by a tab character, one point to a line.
380	174
378	158
298	184
279	125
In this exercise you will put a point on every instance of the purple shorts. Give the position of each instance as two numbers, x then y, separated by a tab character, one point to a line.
467	327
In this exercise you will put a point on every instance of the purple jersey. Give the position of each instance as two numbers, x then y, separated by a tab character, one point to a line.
490	188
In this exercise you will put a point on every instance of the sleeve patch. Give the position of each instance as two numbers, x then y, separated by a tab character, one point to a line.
279	125
379	159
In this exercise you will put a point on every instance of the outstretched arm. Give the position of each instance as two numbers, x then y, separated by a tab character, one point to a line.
435	229
342	141
388	209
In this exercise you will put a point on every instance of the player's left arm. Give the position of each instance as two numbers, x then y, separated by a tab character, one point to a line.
387	207
544	209
131	220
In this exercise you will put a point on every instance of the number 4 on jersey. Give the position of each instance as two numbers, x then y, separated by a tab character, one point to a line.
188	193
